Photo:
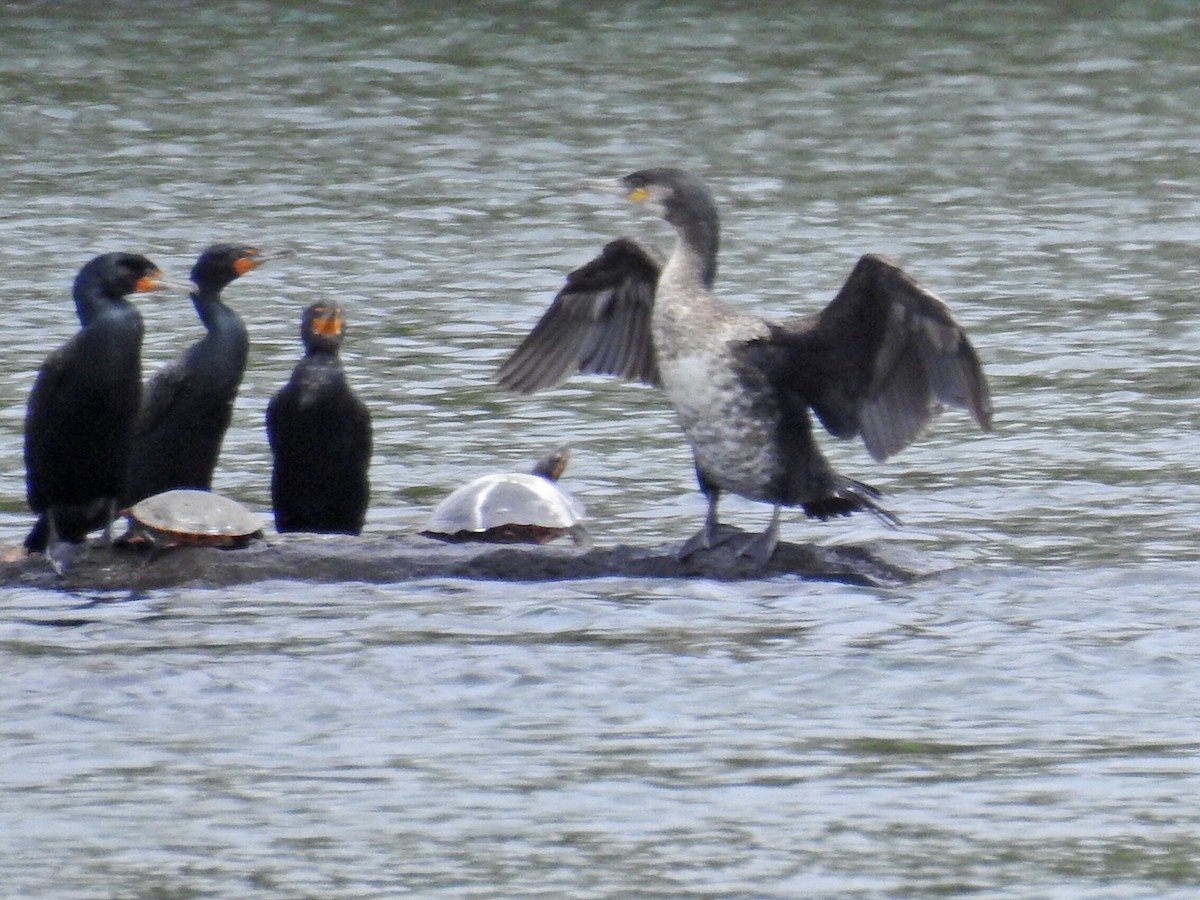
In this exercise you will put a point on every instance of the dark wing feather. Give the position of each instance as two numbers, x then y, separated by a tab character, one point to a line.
598	324
880	360
48	406
160	398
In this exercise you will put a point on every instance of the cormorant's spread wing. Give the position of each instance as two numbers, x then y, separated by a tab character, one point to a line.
598	324
881	358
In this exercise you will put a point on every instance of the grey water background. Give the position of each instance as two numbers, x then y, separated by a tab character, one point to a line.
1021	722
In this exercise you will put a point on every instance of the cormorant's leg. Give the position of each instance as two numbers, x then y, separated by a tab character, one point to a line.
110	515
58	551
51	527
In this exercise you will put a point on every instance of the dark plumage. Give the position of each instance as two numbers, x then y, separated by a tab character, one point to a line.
320	435
188	404
876	362
80	416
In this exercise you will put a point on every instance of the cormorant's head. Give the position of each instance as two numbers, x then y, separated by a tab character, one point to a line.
118	274
222	263
322	327
683	200
674	194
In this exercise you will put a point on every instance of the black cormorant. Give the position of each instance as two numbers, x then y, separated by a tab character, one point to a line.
188	403
320	435
81	410
876	362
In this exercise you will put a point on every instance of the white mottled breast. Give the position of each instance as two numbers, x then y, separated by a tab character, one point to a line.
732	431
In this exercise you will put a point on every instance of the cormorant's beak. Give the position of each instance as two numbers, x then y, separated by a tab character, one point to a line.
278	253
260	258
157	281
328	322
615	187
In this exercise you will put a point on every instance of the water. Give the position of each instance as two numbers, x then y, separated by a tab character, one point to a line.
1020	723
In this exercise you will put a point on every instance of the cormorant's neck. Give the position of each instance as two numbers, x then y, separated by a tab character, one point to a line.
222	352
219	358
211	310
91	302
699	241
694	259
321	354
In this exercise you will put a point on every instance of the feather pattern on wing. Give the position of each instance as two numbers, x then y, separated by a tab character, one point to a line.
598	324
880	360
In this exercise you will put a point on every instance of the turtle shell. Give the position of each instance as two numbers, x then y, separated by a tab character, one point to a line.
507	508
192	517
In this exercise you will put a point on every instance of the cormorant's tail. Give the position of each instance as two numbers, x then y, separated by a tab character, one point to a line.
850	496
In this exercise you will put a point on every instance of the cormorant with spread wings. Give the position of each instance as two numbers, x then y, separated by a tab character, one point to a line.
878	362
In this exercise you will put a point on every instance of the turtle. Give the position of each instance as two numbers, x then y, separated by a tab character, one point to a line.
512	508
184	517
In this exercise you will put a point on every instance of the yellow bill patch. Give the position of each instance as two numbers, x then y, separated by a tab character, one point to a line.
638	194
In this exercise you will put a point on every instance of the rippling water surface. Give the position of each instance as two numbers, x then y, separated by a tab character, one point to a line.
1020	723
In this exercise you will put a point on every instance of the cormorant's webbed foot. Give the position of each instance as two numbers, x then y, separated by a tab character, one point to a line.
708	538
61	554
759	547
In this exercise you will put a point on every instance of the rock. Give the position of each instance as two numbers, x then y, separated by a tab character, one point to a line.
381	559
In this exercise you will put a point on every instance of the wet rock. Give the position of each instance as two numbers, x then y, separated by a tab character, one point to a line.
385	559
